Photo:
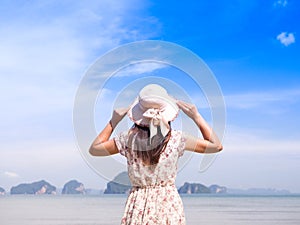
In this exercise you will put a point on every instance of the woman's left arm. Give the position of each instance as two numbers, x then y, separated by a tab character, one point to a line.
103	145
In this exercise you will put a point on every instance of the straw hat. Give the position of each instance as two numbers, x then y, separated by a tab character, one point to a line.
152	108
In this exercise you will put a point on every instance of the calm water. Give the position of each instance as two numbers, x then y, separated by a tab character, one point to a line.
107	210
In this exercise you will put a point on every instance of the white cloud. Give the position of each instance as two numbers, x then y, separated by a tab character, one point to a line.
44	52
282	3
40	153
46	46
10	174
55	160
140	68
252	157
262	100
257	141
286	38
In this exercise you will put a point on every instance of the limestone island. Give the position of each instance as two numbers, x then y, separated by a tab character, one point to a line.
2	191
196	188
36	188
121	185
73	187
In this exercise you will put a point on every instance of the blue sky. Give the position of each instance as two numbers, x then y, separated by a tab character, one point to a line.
251	46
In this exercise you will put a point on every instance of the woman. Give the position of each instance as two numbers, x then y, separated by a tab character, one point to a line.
152	149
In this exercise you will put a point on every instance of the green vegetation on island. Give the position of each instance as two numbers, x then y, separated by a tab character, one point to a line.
193	188
119	185
73	187
35	188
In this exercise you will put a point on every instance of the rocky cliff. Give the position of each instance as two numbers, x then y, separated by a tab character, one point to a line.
73	187
216	189
35	188
119	185
193	188
2	191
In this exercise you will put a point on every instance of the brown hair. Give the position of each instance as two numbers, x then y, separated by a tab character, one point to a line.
147	150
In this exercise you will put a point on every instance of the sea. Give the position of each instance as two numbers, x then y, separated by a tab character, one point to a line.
108	209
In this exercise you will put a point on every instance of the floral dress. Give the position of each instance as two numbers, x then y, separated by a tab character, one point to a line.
154	198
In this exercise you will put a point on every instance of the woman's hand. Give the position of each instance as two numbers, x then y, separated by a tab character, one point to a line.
189	109
211	142
117	116
102	145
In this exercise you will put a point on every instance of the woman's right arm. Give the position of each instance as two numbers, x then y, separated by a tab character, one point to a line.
210	143
103	145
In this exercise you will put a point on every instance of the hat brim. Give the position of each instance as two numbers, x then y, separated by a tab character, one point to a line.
169	113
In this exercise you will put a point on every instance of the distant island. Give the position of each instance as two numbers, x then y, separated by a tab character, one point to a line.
196	188
35	188
121	185
43	187
73	187
2	191
257	191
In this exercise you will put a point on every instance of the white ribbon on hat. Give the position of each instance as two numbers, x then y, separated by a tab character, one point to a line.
156	120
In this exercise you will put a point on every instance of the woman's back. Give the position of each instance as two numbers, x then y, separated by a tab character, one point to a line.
161	174
154	198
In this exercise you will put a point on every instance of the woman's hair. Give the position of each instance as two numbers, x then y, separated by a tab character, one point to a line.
147	150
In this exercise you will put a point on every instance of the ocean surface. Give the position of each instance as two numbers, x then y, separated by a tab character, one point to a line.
108	210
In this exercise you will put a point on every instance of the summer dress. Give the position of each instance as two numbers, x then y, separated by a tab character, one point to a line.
154	198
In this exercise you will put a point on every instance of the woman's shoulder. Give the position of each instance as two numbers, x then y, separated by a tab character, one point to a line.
177	141
121	137
176	133
177	136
